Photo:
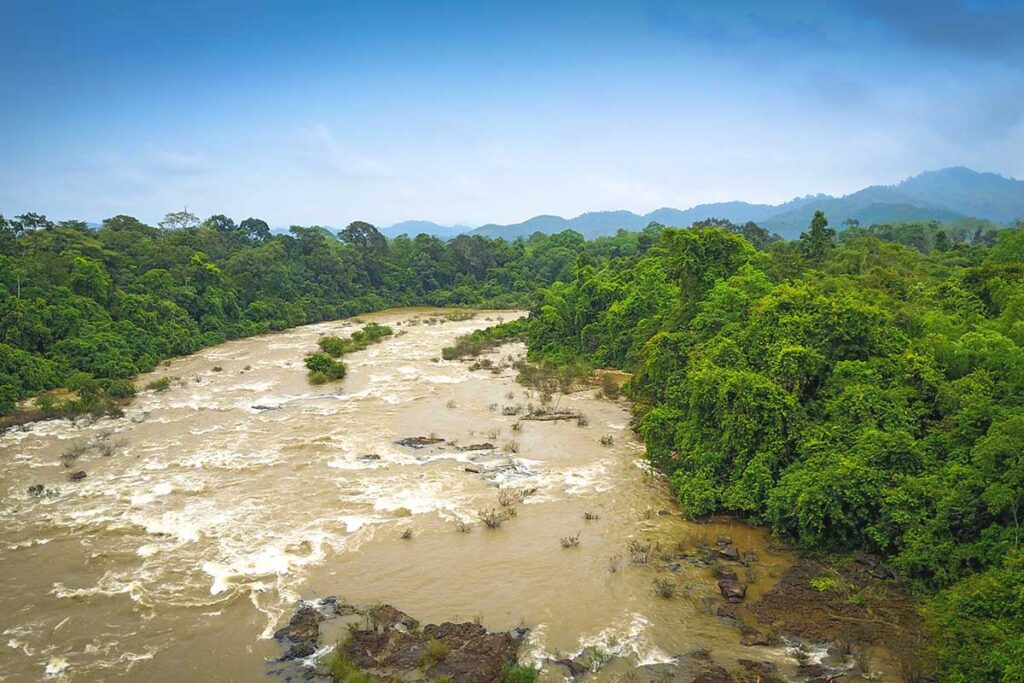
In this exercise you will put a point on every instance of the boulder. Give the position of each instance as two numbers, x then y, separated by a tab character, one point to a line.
385	617
77	476
303	626
753	637
728	610
729	552
575	668
733	591
419	441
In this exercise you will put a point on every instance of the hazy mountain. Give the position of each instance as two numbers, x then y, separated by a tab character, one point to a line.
413	228
945	195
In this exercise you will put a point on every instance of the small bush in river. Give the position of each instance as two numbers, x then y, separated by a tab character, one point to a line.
162	384
665	588
492	519
607	440
570	541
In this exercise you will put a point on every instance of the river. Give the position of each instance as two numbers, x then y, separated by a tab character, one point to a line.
210	508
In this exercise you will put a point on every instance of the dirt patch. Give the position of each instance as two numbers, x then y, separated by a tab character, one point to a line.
842	600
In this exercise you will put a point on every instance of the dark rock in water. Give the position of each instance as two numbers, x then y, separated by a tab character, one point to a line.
419	441
714	674
36	490
474	654
723	541
728	610
260	407
575	668
762	672
733	591
729	552
664	513
749	557
753	637
369	456
303	626
486	446
77	476
299	650
474	469
726	573
815	673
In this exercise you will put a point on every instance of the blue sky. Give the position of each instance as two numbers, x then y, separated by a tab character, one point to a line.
470	112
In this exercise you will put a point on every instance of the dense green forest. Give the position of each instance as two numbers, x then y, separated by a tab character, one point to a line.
80	307
863	392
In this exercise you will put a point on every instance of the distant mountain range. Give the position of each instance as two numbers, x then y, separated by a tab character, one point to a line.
949	194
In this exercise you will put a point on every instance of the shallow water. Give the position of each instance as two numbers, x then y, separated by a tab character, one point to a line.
182	551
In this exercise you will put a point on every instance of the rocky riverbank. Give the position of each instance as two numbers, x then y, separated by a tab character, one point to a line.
380	642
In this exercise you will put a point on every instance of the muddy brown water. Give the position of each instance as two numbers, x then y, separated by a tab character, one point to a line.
190	542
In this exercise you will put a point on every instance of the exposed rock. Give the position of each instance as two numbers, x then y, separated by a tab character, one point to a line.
733	591
419	441
753	637
575	668
728	610
303	626
486	446
727	573
729	552
384	617
299	650
749	557
723	541
369	457
36	490
473	468
551	417
77	476
264	408
474	655
714	674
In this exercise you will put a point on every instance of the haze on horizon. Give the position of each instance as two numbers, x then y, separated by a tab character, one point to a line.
476	112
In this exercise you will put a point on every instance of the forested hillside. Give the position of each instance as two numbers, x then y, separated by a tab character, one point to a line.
78	304
852	394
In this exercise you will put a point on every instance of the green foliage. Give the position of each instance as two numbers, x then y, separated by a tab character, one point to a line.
519	673
115	301
977	626
481	341
342	670
854	394
359	340
323	368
